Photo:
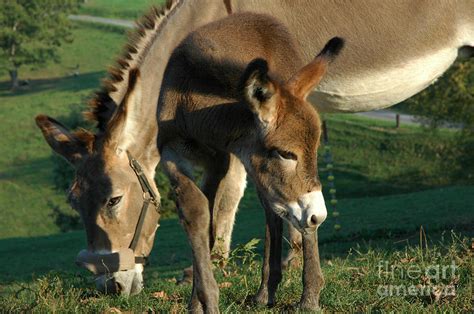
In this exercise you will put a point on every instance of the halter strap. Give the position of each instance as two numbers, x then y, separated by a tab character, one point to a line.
149	197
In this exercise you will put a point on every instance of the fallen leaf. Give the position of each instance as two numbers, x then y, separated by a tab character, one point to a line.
160	295
425	279
225	284
407	260
436	294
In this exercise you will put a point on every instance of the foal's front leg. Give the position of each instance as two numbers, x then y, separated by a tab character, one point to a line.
193	209
313	280
271	268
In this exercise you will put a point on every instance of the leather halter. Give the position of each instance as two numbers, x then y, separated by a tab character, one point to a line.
149	197
124	259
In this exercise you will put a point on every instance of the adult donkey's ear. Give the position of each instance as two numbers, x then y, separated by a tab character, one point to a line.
259	92
308	77
72	146
124	128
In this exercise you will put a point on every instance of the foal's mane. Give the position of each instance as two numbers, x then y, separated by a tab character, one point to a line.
102	106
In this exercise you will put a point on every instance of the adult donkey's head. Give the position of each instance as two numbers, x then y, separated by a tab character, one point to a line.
282	158
113	190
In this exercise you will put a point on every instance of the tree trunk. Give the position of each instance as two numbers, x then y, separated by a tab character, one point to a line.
14	78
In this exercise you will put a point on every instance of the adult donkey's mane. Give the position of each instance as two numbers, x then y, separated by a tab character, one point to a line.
103	105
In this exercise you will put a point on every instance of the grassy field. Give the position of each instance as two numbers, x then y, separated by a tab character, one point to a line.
38	273
390	183
123	9
26	190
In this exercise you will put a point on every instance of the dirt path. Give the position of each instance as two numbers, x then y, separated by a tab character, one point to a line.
103	20
385	114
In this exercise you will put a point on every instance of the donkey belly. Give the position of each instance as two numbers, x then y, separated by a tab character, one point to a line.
380	88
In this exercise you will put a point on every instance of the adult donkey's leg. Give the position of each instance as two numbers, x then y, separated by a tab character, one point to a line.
193	209
271	268
313	280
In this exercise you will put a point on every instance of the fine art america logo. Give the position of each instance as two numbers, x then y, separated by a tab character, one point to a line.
435	281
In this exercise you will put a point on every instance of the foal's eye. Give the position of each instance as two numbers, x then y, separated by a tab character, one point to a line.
114	201
286	155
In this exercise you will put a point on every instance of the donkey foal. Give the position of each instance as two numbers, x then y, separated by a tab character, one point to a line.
217	106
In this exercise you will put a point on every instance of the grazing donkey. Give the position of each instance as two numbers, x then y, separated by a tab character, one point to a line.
397	48
217	109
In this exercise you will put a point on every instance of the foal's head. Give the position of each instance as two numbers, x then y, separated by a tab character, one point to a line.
282	156
107	193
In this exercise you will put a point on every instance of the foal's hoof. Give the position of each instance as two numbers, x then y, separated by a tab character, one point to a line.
187	277
309	306
260	299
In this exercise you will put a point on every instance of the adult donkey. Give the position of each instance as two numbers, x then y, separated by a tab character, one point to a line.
394	49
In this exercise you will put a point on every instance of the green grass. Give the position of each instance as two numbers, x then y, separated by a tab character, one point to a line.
26	183
389	183
372	158
123	9
38	273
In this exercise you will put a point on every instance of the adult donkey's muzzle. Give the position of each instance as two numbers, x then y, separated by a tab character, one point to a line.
122	271
115	272
106	263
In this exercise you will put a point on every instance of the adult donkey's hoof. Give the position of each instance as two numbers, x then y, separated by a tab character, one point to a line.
187	276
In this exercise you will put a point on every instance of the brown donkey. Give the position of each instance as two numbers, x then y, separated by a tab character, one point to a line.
217	109
204	117
387	60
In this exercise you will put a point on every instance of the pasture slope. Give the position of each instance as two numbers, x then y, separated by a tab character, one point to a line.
401	204
123	9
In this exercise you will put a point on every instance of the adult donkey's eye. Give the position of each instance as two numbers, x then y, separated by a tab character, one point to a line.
114	201
285	154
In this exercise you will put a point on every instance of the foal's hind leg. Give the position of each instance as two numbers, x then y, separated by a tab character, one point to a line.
193	209
224	184
271	268
226	202
293	258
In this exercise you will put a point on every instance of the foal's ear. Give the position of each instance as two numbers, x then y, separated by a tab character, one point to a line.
63	142
308	77
123	129
259	91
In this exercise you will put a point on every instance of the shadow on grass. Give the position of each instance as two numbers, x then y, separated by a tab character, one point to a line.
25	259
25	168
352	182
66	83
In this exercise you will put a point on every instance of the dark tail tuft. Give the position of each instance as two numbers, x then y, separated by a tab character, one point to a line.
332	48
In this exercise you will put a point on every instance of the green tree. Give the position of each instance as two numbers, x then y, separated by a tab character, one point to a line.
31	31
451	100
